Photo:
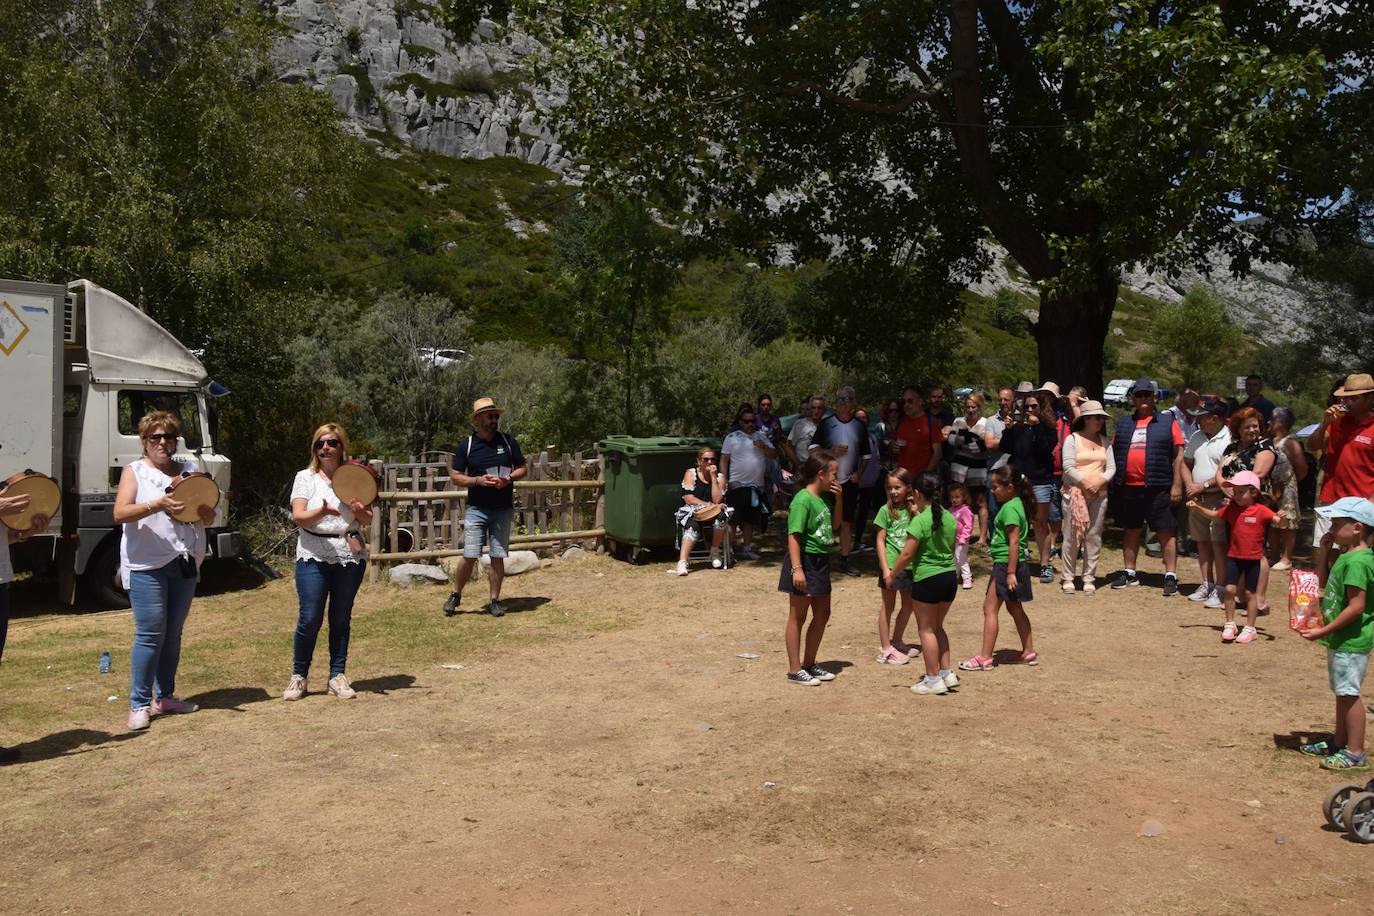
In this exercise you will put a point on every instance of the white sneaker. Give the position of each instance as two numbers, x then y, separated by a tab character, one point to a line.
951	679
339	687
925	686
139	719
681	569
1214	600
295	689
1201	592
715	559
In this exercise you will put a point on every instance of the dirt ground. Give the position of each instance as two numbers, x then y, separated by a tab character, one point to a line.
607	751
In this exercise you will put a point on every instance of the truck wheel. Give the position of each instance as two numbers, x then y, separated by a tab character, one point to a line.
101	579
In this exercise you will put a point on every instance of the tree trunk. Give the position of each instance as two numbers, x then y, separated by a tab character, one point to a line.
1071	333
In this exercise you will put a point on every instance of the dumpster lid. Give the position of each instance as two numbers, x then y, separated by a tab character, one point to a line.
665	445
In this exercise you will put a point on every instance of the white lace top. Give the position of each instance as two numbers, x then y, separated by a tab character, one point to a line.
324	541
156	540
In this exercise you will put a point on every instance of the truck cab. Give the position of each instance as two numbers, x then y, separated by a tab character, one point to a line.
116	365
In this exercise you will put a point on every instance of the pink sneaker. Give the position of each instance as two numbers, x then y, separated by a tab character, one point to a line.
171	706
891	656
138	719
1247	634
1228	633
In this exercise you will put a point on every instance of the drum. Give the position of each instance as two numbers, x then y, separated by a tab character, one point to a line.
193	489
708	513
355	480
45	496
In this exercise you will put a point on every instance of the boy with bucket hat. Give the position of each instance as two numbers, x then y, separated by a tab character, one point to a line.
1346	435
486	464
1347	629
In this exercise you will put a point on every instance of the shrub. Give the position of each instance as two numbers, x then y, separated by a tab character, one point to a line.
758	310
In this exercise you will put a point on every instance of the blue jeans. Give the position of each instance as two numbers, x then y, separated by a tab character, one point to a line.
316	582
161	600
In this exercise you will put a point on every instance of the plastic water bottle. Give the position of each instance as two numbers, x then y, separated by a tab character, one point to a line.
105	662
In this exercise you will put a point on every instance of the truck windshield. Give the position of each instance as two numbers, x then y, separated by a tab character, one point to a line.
134	405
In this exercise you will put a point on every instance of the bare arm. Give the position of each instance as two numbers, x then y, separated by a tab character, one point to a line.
1264	463
127	510
1296	458
908	552
1354	609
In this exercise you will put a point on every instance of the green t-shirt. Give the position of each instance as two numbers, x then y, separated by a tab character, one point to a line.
1011	515
810	517
1354	567
935	550
896	532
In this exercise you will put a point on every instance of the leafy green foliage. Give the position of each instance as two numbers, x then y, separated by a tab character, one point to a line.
1198	338
758	310
1008	311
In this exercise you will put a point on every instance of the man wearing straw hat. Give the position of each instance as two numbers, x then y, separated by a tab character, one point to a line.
486	464
1346	434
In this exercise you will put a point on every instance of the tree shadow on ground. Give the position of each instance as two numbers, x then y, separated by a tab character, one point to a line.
385	684
66	744
232	698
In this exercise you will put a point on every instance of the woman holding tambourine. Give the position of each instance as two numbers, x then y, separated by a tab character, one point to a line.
331	556
160	554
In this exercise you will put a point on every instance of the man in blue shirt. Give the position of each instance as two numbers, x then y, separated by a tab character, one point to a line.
486	464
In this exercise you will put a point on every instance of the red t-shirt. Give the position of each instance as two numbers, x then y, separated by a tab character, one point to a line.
1064	428
1248	528
1349	459
916	442
1135	458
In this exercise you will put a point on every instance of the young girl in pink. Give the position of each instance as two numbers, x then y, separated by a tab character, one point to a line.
963	530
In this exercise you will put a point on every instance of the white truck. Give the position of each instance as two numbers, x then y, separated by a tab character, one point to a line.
79	366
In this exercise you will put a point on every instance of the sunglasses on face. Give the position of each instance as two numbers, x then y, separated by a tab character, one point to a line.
160	437
707	459
842	399
332	443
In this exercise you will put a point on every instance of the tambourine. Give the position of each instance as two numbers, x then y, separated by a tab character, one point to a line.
193	489
707	513
355	480
45	496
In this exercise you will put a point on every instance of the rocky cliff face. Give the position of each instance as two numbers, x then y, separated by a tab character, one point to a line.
390	68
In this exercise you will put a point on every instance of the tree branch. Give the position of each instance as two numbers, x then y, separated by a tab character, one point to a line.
1012	50
1010	223
900	106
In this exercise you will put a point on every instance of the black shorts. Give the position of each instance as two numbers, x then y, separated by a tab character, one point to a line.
1023	582
936	589
1138	506
741	499
1249	570
817	569
849	501
902	582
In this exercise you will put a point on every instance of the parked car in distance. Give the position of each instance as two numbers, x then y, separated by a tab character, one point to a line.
961	393
1118	392
441	356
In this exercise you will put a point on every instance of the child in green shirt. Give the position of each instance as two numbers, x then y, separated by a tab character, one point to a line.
1010	582
811	526
1347	630
894	580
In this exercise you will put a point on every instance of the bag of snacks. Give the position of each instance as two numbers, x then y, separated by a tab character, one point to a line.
1304	600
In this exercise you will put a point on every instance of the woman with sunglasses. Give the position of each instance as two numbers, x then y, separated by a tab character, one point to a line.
702	488
160	560
331	558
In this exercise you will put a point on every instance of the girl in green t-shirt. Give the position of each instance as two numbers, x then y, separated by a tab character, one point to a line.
930	550
1010	581
894	579
811	526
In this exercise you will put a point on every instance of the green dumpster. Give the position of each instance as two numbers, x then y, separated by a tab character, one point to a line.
644	488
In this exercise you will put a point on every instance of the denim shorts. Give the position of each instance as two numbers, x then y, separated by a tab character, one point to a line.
1347	672
1049	493
486	526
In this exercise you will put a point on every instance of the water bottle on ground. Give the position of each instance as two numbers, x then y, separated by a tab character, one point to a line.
105	662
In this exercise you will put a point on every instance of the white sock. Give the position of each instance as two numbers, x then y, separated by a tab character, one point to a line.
1169	575
1129	572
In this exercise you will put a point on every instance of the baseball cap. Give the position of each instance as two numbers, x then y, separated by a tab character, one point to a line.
1245	479
1143	385
1210	405
1352	507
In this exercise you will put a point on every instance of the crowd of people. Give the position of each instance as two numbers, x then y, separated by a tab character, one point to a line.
1038	478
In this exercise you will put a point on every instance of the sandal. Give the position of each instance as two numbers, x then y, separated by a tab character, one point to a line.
1028	658
977	663
1317	749
1344	760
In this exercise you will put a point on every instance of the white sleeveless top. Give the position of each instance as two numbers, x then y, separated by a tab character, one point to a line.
324	541
158	539
6	570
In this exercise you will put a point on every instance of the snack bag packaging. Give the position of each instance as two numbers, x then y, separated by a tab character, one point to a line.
1304	600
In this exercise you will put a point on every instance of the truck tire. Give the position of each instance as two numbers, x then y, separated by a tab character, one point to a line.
101	579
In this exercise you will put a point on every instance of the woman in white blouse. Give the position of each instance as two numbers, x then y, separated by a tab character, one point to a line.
160	561
1088	467
331	558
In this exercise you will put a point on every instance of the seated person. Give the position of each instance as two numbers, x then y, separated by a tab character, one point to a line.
702	487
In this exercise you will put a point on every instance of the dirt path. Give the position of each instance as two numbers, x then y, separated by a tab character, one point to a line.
616	763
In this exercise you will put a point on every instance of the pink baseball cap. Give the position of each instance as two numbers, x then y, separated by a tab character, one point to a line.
1245	479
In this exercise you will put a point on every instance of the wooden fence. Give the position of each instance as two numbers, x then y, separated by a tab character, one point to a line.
419	512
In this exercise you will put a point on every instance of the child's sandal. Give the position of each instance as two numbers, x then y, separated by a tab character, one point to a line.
1028	658
977	663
